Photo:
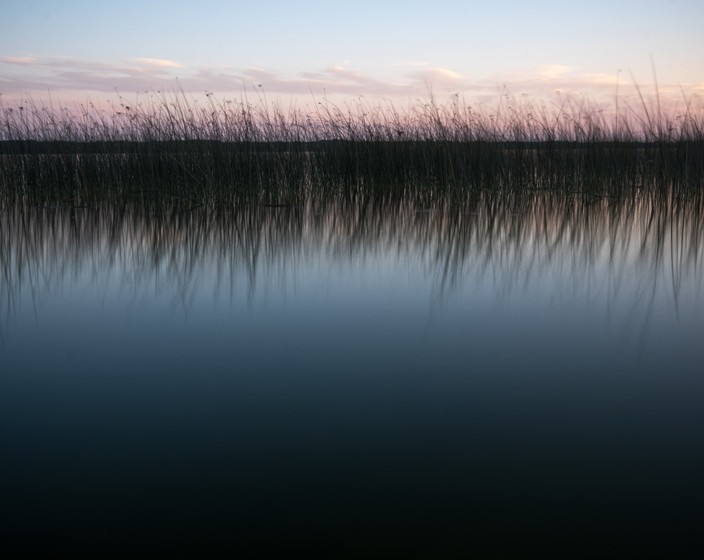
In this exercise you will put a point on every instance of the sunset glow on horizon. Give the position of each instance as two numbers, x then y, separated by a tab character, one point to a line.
406	51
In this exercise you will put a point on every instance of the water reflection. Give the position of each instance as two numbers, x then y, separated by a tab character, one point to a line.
463	376
632	251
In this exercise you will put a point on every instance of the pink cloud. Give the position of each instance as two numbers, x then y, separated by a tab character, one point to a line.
158	62
17	60
70	78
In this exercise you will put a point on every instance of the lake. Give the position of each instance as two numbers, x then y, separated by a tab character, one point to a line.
508	371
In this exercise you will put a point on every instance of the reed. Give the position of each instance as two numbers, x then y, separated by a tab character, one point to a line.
168	145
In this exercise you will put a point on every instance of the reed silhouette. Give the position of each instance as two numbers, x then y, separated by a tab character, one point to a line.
172	146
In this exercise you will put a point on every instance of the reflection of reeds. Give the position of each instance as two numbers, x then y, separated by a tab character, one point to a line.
172	147
626	247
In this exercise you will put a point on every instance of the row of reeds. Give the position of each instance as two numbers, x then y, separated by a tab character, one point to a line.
169	144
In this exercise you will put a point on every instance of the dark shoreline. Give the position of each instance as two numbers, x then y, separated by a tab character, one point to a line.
209	168
60	147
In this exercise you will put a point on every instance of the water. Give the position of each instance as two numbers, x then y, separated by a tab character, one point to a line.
508	373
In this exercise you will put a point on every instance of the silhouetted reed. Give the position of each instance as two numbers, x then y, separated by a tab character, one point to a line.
170	146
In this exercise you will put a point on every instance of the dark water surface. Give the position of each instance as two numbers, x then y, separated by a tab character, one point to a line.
509	373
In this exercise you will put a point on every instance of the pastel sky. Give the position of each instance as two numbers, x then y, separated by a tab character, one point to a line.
77	49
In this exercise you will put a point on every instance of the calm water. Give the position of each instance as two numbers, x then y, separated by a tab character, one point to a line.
509	372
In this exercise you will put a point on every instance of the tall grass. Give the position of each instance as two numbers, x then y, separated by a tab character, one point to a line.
169	145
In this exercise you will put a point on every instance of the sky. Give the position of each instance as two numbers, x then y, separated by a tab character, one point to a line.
75	50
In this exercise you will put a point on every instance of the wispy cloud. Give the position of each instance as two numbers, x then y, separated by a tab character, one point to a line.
441	77
158	62
551	71
16	59
407	79
140	74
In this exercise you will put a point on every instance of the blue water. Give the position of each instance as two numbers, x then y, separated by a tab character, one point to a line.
508	373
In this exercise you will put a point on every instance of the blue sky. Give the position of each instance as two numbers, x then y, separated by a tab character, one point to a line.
75	48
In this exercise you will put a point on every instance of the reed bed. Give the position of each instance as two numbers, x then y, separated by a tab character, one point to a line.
167	145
